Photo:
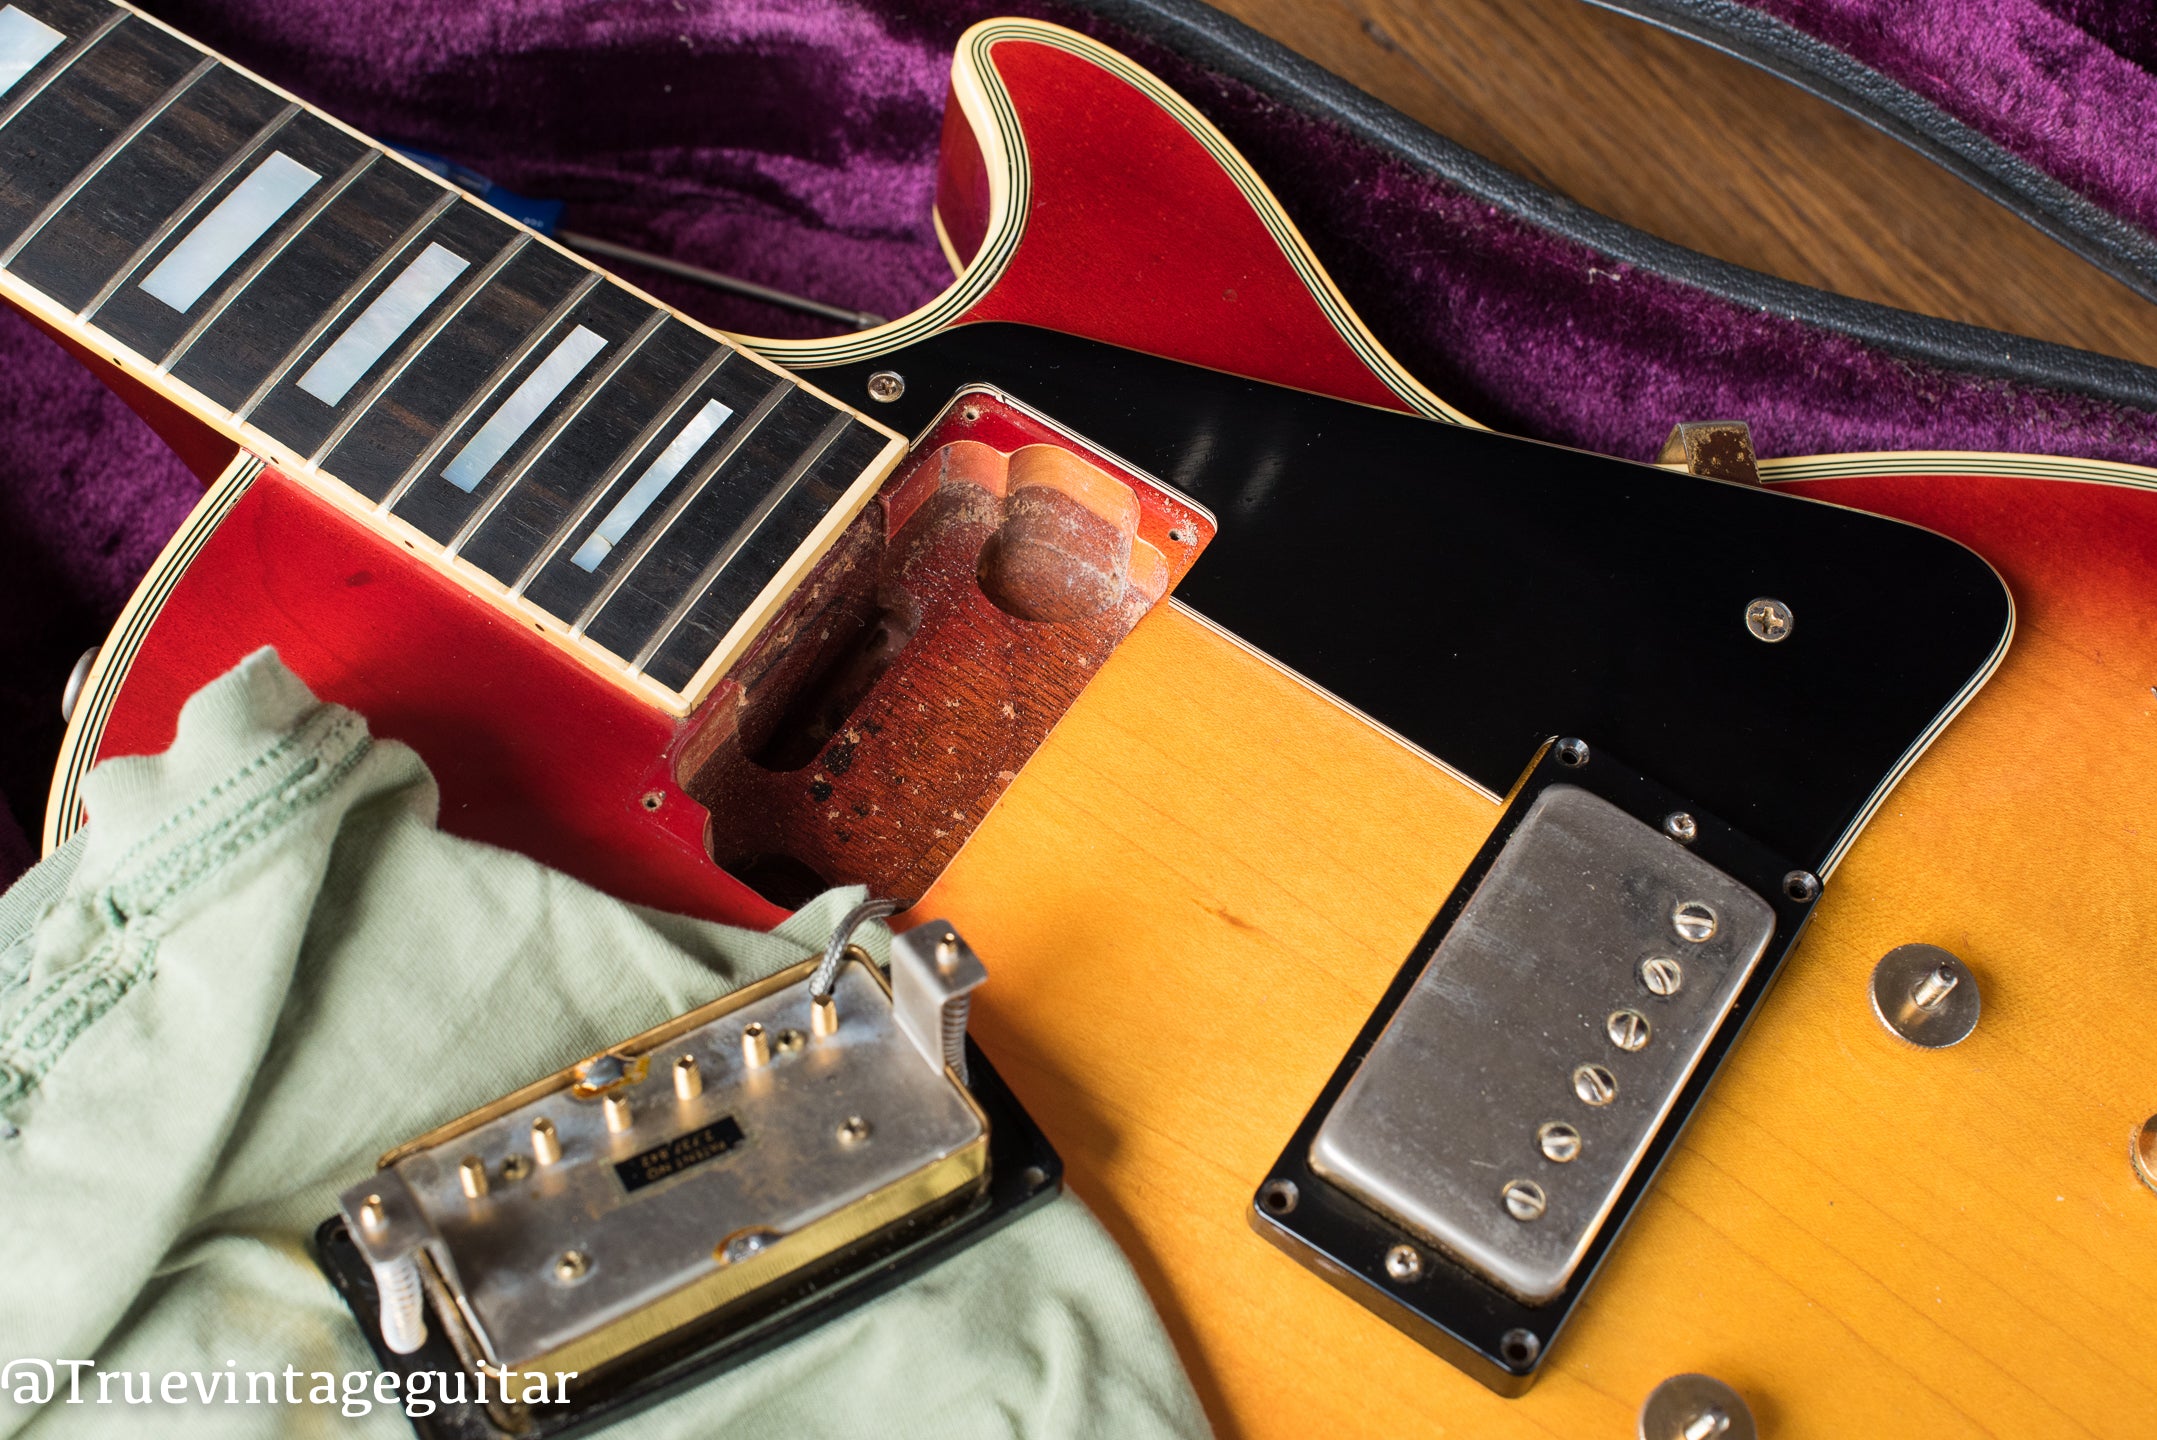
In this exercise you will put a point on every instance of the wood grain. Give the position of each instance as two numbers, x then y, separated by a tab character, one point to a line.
1704	150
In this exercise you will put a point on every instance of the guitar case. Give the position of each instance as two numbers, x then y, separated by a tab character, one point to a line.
797	146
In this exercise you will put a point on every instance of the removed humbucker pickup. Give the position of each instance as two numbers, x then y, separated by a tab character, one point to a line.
681	1185
1508	1102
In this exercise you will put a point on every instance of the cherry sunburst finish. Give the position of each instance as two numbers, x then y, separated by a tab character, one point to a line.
1196	890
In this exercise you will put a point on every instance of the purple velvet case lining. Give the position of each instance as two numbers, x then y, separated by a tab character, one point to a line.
794	141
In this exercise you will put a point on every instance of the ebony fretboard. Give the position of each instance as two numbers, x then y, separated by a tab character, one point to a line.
617	472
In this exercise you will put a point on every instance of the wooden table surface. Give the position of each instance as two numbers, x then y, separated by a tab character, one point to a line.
1615	113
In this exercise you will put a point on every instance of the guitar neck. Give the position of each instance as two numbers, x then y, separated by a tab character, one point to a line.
617	476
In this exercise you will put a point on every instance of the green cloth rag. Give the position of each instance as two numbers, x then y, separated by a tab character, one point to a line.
261	965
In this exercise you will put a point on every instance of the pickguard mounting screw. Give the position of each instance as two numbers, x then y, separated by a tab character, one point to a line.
1403	1263
1801	885
2144	1152
1681	827
1572	751
1770	620
886	386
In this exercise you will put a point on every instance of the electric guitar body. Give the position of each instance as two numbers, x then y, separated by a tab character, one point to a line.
1201	883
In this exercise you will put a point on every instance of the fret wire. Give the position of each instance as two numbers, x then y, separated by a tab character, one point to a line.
741	536
547	437
345	302
509	251
481	396
277	246
179	217
120	142
22	101
614	472
673	512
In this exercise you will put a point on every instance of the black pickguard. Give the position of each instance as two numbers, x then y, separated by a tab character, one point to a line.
1477	593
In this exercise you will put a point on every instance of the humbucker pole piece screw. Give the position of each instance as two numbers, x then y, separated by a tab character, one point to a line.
1628	1029
688	1079
1681	827
472	1176
1694	920
1695	1407
616	1109
1769	620
1404	1263
755	1047
1524	1200
2144	1152
823	1016
546	1141
1662	975
1595	1085
886	386
1924	995
1558	1141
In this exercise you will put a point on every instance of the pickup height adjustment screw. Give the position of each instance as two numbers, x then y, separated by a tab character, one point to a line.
1695	1407
1681	827
1694	920
1595	1085
1924	995
1661	975
1403	1263
1769	620
1524	1200
886	386
1628	1029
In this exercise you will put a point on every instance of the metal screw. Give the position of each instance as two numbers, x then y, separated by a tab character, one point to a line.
755	1048
2143	1152
616	1108
1404	1264
572	1266
1279	1197
854	1131
1769	620
1595	1085
546	1143
788	1041
372	1216
1661	975
823	1015
688	1079
472	1176
1628	1029
886	386
1926	996
1557	1140
1801	885
515	1168
1524	1200
742	1246
947	951
1695	1407
1572	752
1681	827
1694	920
1520	1347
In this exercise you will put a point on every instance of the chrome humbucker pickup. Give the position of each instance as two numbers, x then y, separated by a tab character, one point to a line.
672	1194
1508	1103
